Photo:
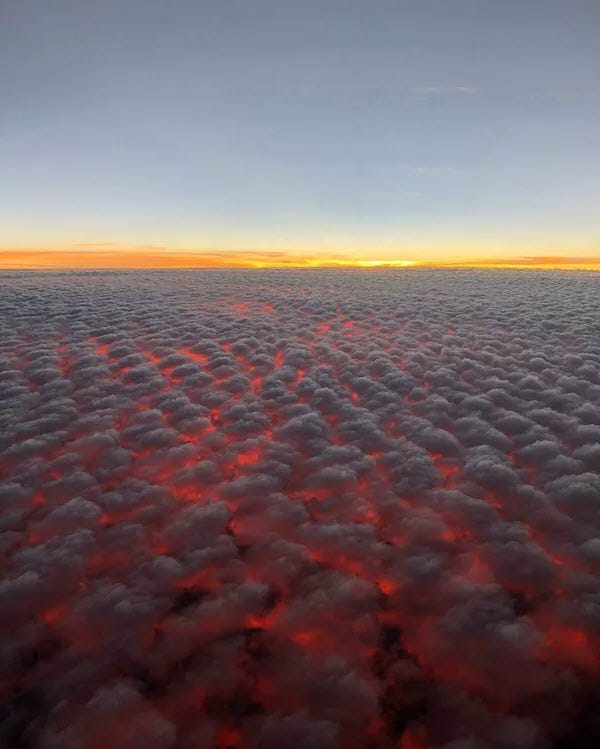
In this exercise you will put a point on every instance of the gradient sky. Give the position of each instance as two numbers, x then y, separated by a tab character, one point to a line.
380	128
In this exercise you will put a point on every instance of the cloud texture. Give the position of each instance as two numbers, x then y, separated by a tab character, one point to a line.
311	509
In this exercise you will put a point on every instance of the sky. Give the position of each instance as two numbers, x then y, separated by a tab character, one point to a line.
147	131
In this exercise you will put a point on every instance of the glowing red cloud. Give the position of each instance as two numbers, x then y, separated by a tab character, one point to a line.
258	513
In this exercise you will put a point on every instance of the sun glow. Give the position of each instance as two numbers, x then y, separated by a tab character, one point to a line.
385	263
115	257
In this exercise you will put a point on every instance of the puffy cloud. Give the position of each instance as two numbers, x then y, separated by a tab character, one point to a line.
315	509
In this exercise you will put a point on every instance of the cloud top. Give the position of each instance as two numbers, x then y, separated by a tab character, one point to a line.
307	508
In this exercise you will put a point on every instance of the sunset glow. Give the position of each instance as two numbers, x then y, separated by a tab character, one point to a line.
299	374
150	258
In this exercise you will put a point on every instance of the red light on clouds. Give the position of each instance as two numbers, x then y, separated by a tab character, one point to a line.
274	520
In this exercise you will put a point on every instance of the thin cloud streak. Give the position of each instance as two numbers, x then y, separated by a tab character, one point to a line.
444	90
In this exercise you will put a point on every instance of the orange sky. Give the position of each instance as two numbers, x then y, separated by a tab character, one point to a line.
118	257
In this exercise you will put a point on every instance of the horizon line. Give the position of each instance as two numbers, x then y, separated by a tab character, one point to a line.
80	258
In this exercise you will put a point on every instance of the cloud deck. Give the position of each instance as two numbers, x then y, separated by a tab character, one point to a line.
311	509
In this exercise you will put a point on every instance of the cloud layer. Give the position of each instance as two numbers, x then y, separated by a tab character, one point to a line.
312	509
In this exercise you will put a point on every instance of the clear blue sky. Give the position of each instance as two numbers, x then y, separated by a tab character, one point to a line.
255	123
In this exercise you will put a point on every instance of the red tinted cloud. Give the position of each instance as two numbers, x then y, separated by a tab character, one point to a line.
307	509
